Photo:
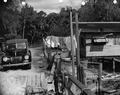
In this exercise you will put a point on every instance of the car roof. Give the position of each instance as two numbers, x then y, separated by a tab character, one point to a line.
15	41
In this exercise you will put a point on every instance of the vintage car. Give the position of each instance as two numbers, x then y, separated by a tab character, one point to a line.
16	53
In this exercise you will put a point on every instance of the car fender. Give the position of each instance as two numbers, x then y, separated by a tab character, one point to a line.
30	55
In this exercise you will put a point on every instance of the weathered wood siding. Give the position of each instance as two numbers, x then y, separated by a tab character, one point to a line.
106	50
111	48
82	42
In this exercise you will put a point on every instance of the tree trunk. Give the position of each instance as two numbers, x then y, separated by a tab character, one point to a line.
24	28
32	39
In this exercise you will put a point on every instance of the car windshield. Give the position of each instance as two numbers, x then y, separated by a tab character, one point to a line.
21	45
16	46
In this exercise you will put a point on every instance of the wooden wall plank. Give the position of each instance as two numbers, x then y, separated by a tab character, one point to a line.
106	50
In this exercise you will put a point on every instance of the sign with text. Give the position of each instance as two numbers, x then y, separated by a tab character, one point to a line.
100	40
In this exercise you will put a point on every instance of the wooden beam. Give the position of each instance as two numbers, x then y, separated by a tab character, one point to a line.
98	25
82	87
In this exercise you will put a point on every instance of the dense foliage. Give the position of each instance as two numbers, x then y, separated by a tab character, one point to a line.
27	23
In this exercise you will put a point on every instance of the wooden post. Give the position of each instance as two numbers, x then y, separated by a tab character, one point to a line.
72	48
77	50
85	64
99	79
80	70
103	62
113	66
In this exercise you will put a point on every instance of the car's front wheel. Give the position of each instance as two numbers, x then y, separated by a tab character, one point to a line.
5	69
28	66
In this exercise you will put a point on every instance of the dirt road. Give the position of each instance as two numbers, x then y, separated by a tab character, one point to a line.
13	82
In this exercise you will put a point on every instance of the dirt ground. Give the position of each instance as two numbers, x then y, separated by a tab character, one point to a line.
14	81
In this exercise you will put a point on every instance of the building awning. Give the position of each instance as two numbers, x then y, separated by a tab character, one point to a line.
97	26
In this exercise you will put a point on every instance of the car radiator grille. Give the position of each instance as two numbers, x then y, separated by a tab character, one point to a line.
15	60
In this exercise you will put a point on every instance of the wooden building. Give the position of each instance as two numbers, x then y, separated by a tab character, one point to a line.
100	41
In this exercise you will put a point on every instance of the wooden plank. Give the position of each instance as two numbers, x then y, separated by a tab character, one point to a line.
32	81
106	50
38	80
43	80
28	80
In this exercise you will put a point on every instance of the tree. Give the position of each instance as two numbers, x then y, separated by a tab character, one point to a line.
101	10
86	13
28	17
59	23
64	22
8	18
53	22
41	24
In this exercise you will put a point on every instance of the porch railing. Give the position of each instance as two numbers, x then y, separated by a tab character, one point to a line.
66	81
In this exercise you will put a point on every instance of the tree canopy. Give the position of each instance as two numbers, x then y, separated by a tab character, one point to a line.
33	25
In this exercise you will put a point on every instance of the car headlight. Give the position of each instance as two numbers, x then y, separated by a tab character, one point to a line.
5	59
26	57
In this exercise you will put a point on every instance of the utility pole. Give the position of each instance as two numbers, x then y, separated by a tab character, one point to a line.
72	47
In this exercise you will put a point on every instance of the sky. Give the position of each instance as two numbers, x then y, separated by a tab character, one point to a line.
50	6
